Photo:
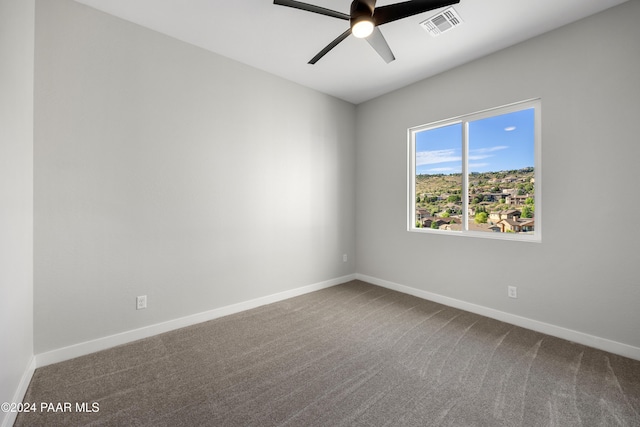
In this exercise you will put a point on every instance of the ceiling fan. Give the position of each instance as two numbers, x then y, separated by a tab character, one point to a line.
365	18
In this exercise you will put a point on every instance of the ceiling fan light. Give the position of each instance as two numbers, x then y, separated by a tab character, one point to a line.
362	28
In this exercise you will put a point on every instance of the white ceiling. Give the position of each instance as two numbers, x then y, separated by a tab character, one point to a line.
281	40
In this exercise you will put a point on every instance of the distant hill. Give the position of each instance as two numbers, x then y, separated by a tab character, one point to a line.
488	191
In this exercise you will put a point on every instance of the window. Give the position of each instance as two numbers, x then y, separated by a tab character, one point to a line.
478	175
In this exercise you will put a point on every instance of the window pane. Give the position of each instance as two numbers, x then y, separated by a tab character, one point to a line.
501	163
438	191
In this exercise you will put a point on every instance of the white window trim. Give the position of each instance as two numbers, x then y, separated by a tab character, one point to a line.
465	119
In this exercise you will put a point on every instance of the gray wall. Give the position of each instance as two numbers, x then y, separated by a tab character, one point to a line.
585	274
168	171
16	194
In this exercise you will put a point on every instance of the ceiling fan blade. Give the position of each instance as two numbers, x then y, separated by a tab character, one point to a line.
330	46
312	8
379	43
393	12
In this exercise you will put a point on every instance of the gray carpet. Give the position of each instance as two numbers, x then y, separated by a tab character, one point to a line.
351	355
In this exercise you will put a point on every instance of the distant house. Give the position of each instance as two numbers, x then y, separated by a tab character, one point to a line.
516	225
527	225
493	197
513	214
422	214
509	225
516	200
440	222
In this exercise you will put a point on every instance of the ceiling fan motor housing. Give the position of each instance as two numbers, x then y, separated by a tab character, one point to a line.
362	9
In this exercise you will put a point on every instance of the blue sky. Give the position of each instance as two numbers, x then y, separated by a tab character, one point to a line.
497	143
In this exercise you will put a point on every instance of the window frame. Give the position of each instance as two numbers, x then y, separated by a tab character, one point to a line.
535	104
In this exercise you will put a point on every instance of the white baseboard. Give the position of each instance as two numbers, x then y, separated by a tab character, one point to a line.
535	325
84	348
10	417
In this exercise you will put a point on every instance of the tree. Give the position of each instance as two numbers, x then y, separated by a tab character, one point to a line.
434	225
481	218
454	198
529	201
527	211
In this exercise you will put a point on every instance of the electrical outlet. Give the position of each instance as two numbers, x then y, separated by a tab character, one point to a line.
512	291
141	302
344	258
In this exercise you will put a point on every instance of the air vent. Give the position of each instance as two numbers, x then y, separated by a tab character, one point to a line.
442	22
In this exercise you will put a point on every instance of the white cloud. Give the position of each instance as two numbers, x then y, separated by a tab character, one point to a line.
436	156
510	128
484	153
489	149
